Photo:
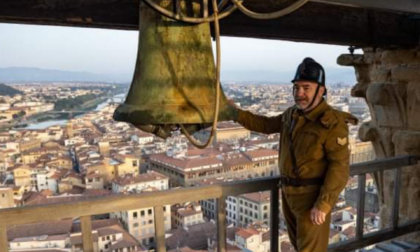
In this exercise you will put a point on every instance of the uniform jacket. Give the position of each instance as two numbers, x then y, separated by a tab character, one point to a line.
320	142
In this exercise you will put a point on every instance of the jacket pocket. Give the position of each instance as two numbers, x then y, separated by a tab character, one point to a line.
308	146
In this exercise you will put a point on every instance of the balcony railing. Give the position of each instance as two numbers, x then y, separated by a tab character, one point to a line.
116	203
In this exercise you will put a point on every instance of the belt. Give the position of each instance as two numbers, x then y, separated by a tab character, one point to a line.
297	182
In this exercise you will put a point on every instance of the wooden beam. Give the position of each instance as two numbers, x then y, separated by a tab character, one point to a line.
86	224
4	244
160	228
274	220
396	199
221	224
315	22
329	24
383	164
408	6
117	203
361	206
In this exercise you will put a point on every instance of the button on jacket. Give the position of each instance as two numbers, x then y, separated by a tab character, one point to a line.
320	143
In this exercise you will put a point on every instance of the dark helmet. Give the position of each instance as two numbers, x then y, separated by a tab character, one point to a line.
310	70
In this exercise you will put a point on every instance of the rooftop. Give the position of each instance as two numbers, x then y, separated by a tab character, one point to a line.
129	179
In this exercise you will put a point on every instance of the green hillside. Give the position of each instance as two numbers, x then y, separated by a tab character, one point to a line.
8	91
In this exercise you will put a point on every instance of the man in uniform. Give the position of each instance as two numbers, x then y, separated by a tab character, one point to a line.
313	158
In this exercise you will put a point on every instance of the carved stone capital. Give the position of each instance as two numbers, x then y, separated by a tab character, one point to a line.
407	142
377	94
368	132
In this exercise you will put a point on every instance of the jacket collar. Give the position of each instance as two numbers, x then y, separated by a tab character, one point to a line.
314	113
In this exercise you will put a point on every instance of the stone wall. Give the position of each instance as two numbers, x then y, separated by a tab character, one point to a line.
389	80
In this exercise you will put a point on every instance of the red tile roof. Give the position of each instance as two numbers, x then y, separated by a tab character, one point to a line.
144	177
257	196
185	163
261	153
246	233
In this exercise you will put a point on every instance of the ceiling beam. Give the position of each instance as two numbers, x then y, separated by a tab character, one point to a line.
407	6
330	24
314	22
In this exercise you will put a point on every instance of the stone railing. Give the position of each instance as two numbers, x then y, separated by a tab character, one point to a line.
86	208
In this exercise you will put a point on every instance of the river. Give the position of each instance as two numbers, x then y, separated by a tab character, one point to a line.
48	123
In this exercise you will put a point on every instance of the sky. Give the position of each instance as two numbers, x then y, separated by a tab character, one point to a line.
105	51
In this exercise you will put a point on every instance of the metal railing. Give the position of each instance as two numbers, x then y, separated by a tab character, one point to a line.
363	240
86	208
116	203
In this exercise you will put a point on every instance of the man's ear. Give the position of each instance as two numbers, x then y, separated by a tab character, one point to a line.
321	91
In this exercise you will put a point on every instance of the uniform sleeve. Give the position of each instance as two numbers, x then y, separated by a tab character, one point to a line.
337	175
258	123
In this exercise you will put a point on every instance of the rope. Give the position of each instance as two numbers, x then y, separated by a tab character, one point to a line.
216	108
215	18
180	17
272	15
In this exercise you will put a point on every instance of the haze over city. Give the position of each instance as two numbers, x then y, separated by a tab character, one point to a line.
113	53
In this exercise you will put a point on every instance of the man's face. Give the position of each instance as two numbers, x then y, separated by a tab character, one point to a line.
304	92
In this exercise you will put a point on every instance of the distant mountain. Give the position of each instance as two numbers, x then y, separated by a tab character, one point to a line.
345	76
29	74
8	91
334	75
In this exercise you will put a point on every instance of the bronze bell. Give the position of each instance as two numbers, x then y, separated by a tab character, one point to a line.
174	79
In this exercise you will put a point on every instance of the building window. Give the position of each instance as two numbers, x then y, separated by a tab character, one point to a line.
265	207
135	215
255	207
135	225
150	221
149	211
134	163
265	215
142	213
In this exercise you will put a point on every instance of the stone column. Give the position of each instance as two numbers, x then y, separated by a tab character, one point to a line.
389	80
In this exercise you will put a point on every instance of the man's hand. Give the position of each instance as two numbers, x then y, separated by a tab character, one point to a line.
317	216
232	109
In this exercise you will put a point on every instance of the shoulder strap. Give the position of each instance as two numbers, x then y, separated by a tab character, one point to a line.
291	149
